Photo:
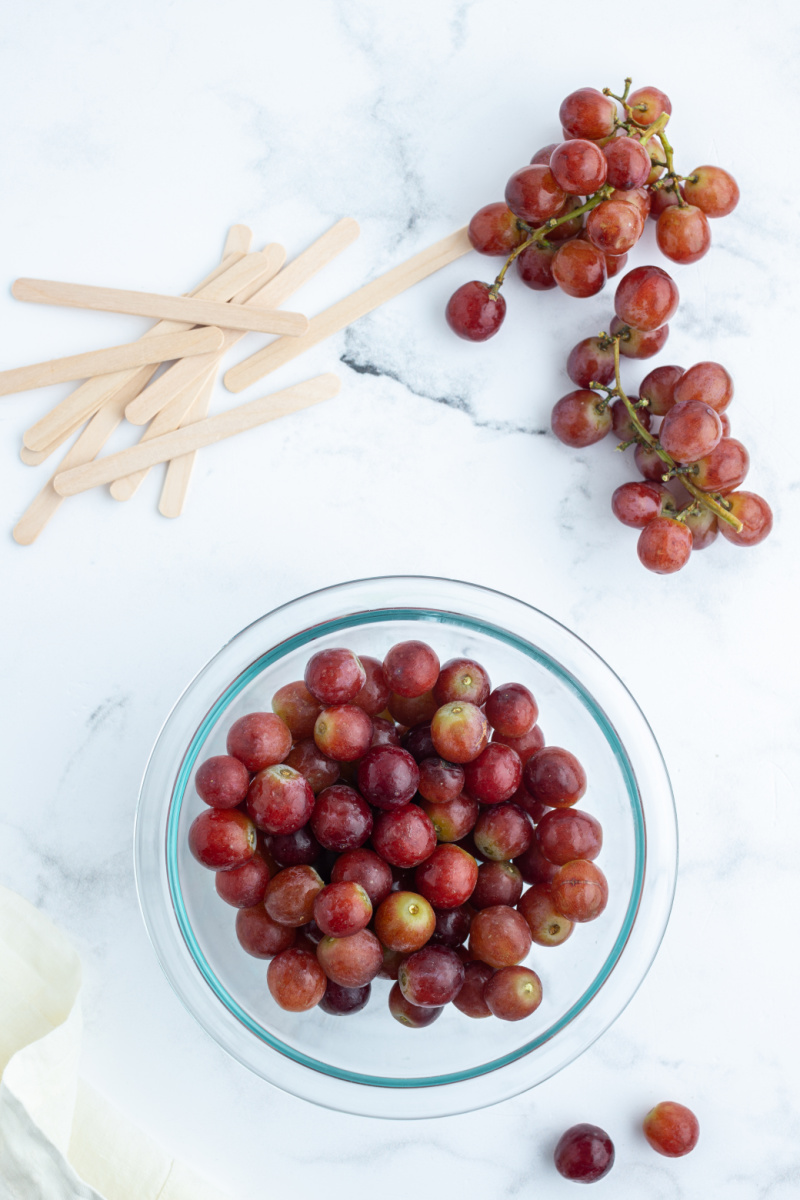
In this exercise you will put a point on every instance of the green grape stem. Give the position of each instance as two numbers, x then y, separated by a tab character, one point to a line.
642	435
540	235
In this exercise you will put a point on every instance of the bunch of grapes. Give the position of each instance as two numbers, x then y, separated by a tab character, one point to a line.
571	216
678	425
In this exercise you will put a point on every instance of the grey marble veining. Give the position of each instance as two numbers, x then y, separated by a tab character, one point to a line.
134	137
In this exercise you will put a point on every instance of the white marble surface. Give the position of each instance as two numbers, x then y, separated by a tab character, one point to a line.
132	137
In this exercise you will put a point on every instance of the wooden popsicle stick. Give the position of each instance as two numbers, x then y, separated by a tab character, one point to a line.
343	313
200	433
172	416
103	423
151	304
79	405
179	470
174	412
239	239
33	458
46	503
115	358
176	379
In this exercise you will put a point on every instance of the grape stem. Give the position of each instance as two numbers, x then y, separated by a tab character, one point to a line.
642	435
540	235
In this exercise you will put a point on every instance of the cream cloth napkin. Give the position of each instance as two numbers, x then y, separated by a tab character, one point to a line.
59	1140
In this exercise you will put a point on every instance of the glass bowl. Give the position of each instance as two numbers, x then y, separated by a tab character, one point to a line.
368	1063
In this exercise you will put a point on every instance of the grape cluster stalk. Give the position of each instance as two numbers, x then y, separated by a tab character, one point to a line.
568	220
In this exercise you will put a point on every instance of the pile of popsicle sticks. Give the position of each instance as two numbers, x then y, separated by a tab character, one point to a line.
245	293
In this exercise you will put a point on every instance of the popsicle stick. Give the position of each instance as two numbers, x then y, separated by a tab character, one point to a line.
177	378
46	503
200	433
115	358
239	239
151	304
79	405
179	470
102	425
271	295
343	313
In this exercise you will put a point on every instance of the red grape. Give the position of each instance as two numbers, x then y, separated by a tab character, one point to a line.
343	732
440	781
341	820
690	431
587	113
755	515
473	313
448	877
494	775
259	740
513	993
512	710
585	1153
581	418
259	935
649	104
469	999
591	361
365	867
295	980
661	198
414	711
294	849
683	234
535	267
664	545
621	422
723	469
280	800
649	462
453	820
452	926
525	746
555	777
342	909
317	769
712	190
580	890
404	837
351	961
646	298
566	834
543	155
340	1001
578	167
633	343
627	162
290	896
579	268
411	668
462	679
222	838
374	695
495	230
431	977
410	1015
548	927
498	883
499	936
388	777
671	1129
244	886
459	731
703	524
533	195
222	781
614	227
658	389
297	708
503	832
706	381
635	503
